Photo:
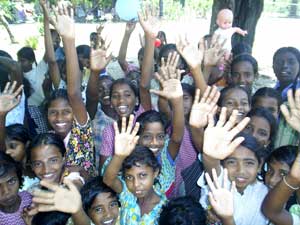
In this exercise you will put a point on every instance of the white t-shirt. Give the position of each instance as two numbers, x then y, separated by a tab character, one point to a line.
36	78
17	114
225	34
246	206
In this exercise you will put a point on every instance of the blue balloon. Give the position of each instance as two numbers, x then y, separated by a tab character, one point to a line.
128	9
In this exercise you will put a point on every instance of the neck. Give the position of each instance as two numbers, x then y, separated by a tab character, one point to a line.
147	199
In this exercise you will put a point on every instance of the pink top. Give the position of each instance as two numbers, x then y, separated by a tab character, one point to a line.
108	135
186	156
16	217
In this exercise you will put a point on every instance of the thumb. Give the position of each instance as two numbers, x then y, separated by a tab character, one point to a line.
159	93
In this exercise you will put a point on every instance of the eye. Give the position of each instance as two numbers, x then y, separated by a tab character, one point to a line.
161	137
129	178
250	163
248	128
36	164
245	103
114	204
283	173
235	74
262	133
12	145
98	209
51	113
230	162
66	112
12	181
229	103
53	160
147	137
143	175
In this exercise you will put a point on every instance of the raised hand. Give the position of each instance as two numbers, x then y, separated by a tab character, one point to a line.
201	109
64	199
218	139
64	21
9	98
221	197
126	140
213	53
98	56
149	22
292	116
169	78
192	55
130	26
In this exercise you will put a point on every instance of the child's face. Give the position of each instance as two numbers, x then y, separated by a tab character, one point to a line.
286	67
25	64
104	210
224	20
60	116
16	149
135	78
243	167
140	179
236	99
260	129
243	74
104	89
9	187
55	39
47	162
153	137
85	62
187	103
123	100
268	103
276	170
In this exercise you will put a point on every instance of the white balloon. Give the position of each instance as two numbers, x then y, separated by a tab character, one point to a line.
128	9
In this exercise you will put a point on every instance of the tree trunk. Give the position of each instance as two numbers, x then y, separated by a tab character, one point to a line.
161	8
5	24
246	15
293	8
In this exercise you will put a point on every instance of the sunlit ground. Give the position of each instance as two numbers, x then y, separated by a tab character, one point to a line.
271	34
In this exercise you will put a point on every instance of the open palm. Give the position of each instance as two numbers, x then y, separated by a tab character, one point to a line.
149	23
126	140
64	22
218	139
8	98
292	116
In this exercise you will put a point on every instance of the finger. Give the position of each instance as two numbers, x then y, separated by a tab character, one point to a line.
12	87
222	117
214	110
65	10
60	9
162	62
232	120
212	200
130	124
43	194
71	12
216	96
39	200
225	179
210	183
297	98
123	127
211	122
205	95
211	96
159	93
135	129
49	185
174	59
202	46
234	144
197	96
159	78
116	128
6	88
239	127
215	178
285	112
233	187
291	99
46	208
168	63
70	185
178	74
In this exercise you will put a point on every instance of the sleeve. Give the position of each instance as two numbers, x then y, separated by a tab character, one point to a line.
107	146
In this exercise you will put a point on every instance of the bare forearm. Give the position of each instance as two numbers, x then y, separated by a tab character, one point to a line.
228	221
210	163
164	108
197	137
92	94
80	218
110	177
199	80
2	132
123	51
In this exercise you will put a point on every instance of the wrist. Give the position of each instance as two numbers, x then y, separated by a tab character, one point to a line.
292	182
228	220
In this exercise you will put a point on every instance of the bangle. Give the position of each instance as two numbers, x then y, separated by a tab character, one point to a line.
290	186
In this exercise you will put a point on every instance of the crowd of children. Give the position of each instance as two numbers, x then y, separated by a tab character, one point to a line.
182	138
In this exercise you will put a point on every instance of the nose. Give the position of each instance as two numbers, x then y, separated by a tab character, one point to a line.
154	142
242	79
107	213
4	190
136	183
240	168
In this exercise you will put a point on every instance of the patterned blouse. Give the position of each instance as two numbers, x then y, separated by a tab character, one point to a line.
16	217
80	147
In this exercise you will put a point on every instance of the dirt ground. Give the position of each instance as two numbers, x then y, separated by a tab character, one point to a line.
271	34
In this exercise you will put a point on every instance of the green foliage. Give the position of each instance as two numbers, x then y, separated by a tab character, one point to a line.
279	8
32	42
6	7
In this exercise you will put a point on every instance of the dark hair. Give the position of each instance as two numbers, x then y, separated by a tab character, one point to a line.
17	132
56	94
241	48
163	35
266	92
227	89
91	189
151	116
3	71
165	50
140	156
27	53
268	116
83	50
51	218
141	52
190	89
245	58
251	144
293	51
285	154
182	211
7	164
104	77
46	139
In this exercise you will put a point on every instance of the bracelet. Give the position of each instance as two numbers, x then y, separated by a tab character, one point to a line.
290	186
